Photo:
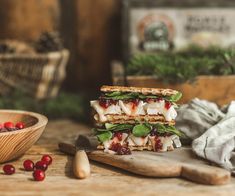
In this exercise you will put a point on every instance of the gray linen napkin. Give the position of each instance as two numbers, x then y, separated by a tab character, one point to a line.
197	117
216	134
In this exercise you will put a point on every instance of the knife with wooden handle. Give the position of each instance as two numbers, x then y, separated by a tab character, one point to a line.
81	165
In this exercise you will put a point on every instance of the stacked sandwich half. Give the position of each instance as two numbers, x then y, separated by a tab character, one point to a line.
133	118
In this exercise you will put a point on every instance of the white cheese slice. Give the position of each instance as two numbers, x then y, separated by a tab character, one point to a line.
169	114
167	143
138	141
140	108
158	107
126	108
95	104
113	109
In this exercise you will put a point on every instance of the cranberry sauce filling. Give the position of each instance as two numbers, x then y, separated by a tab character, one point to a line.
105	103
158	144
118	135
167	105
119	149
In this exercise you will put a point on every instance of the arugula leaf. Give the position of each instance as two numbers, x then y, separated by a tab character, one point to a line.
113	94
118	127
172	129
141	130
141	96
99	129
120	95
168	129
109	125
104	136
176	97
123	96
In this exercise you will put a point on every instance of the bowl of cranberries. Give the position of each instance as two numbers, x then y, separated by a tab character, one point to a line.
19	130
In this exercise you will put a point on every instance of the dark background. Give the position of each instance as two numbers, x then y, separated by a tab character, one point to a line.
91	30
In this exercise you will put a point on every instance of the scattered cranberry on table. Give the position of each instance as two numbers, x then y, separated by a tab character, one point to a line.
38	168
39	175
28	165
42	165
47	158
9	169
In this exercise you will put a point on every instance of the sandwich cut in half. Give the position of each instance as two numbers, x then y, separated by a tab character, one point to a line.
135	118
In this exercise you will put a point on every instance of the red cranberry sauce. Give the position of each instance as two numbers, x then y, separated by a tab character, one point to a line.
119	149
105	103
158	144
167	105
118	135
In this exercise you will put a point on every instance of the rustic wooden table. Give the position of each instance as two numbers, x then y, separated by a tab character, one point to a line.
104	180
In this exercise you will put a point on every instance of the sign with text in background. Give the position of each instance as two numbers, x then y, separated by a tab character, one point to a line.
154	29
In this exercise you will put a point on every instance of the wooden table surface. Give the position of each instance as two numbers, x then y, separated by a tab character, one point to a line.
104	180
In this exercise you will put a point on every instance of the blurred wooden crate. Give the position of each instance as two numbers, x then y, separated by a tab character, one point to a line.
219	89
39	75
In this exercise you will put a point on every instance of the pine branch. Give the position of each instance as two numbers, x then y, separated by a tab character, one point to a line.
184	65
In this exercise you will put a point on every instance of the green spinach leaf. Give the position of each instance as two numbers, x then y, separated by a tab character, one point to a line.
104	136
141	130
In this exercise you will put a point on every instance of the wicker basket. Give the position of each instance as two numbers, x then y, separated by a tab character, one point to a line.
39	75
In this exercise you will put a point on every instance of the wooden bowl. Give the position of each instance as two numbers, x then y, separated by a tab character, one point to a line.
15	143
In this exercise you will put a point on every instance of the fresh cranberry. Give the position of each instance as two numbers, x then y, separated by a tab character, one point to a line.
42	165
104	103
9	126
118	135
39	175
47	159
123	150
1	127
159	99
20	125
9	169
167	105
28	165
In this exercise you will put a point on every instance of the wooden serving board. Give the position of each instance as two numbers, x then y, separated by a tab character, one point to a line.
178	163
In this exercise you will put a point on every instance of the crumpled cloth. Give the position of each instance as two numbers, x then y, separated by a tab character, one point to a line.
212	131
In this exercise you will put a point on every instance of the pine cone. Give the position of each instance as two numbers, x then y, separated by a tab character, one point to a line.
49	42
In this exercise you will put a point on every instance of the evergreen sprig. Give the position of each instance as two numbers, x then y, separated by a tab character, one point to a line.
184	65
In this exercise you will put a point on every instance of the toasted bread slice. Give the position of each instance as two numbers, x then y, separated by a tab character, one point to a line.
138	148
142	90
122	119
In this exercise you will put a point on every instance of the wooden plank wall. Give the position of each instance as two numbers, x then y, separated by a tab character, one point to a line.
90	29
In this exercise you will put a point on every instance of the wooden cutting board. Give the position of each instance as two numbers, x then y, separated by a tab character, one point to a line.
181	162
